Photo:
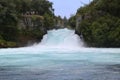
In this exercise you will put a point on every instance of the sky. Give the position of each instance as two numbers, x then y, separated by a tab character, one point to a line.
67	7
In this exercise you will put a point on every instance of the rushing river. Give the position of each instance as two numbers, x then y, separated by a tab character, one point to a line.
61	55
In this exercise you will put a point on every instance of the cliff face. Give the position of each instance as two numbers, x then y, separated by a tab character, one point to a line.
24	21
31	29
100	23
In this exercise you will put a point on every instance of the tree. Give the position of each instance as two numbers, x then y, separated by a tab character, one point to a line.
72	22
42	6
48	21
8	20
100	23
15	13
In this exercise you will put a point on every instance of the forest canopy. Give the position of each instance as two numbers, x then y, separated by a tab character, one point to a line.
100	24
13	13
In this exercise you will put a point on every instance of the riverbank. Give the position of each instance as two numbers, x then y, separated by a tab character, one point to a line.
98	23
60	57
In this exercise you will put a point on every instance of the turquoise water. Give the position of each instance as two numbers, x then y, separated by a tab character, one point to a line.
60	57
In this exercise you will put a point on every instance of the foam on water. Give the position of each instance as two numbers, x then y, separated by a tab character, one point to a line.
61	55
65	41
60	40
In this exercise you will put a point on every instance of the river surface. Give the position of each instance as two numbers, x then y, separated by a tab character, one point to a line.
61	55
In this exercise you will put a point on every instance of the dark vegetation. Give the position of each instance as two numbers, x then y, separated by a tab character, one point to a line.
99	23
24	21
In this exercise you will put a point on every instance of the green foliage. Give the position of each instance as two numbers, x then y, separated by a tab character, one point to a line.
72	22
100	25
11	44
5	44
48	21
1	37
38	34
109	6
9	33
8	20
42	6
40	12
2	43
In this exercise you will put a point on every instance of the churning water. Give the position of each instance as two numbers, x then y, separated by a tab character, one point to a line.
61	55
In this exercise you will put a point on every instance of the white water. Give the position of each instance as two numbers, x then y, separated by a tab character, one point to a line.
59	40
62	52
62	38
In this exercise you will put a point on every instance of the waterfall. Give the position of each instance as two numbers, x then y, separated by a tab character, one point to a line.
60	55
61	38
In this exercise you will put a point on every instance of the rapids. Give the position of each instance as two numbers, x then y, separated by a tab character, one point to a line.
61	55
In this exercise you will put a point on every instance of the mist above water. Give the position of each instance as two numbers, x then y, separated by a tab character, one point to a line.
61	38
60	55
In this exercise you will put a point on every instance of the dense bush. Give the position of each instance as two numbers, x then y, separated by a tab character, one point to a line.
100	25
40	12
72	22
